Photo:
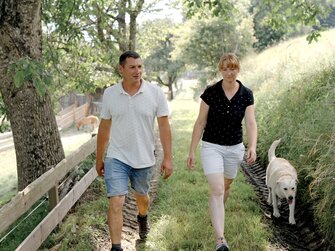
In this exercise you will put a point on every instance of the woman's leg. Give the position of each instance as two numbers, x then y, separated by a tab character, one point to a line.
227	184
216	202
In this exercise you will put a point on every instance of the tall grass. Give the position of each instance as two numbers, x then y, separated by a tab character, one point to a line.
295	101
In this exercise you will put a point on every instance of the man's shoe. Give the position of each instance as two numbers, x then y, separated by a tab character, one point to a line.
116	249
143	226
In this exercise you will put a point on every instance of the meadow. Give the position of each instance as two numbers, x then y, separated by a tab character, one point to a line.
294	90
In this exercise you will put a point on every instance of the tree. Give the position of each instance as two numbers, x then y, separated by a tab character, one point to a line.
85	38
282	15
37	141
265	34
157	45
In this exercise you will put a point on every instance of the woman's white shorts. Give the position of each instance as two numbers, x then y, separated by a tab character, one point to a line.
221	159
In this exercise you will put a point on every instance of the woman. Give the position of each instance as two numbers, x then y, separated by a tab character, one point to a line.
219	123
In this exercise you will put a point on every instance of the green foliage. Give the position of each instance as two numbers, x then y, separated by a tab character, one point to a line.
157	43
284	16
201	43
4	125
62	15
295	100
265	34
307	111
29	70
203	8
82	41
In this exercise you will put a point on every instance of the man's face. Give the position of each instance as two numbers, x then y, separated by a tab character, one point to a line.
131	71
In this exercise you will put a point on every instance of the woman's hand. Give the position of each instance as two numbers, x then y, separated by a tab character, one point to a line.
191	161
251	156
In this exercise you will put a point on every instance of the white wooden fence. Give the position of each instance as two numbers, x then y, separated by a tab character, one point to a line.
71	114
65	119
23	201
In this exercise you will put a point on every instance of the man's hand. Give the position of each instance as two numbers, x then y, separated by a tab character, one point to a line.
166	168
100	167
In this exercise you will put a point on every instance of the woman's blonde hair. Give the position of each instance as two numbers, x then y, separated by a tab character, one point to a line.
229	60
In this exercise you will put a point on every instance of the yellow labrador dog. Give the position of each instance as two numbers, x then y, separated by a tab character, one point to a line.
281	180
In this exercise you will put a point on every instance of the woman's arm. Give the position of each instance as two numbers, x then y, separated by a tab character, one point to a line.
251	127
198	128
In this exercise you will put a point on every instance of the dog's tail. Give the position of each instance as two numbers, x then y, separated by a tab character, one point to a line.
271	152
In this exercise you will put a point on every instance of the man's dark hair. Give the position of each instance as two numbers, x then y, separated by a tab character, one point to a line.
128	54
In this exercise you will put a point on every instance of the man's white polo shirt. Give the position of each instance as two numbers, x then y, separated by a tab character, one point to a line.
132	134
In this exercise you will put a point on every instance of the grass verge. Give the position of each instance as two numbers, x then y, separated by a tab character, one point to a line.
180	217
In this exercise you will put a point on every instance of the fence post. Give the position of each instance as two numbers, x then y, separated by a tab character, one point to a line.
53	197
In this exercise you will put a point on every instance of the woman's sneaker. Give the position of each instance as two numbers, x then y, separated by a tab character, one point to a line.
143	226
221	245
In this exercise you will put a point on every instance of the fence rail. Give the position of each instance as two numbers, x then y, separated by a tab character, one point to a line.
23	201
71	115
64	119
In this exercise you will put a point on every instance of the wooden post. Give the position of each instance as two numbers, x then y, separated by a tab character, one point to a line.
53	197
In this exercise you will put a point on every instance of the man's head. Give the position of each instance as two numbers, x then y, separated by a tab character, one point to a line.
130	67
128	54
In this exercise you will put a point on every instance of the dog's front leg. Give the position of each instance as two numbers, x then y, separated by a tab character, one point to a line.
291	219
274	203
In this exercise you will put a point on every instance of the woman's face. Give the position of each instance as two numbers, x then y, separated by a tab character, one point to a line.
229	73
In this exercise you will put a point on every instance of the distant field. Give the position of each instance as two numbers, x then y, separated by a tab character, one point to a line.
71	139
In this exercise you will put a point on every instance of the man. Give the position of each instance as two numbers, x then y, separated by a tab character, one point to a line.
128	113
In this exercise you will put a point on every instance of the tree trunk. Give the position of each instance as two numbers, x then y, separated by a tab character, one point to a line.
133	13
121	18
37	141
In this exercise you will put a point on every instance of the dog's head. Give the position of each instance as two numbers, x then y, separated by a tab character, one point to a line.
288	187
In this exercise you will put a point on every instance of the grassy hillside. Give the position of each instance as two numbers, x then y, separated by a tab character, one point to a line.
294	86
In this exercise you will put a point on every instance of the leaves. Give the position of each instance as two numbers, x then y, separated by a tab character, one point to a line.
29	70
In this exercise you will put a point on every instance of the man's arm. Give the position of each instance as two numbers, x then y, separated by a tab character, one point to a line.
165	136
102	141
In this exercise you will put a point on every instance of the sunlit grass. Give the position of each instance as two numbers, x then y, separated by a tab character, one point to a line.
180	217
295	99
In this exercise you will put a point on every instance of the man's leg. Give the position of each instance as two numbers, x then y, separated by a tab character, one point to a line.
140	181
143	202
115	218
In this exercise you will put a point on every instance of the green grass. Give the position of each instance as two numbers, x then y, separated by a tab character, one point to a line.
24	226
87	220
294	90
180	217
27	222
295	101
